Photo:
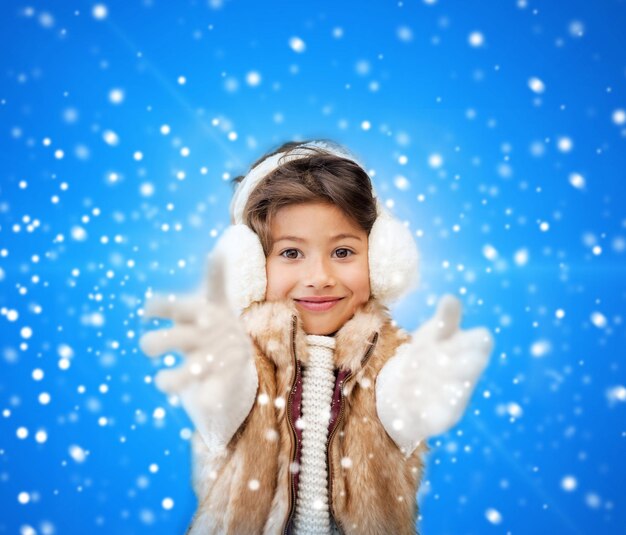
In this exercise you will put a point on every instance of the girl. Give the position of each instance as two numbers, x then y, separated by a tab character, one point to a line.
311	406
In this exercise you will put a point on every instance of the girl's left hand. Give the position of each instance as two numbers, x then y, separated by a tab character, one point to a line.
424	389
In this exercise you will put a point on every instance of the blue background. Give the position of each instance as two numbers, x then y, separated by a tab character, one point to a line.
460	142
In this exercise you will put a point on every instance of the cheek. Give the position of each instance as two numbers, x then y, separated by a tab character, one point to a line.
277	282
364	288
361	283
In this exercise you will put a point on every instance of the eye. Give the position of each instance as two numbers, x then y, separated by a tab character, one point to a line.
343	252
291	254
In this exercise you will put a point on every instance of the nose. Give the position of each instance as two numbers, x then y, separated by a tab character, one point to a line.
320	274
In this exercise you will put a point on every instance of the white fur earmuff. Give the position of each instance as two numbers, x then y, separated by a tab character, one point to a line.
240	253
393	256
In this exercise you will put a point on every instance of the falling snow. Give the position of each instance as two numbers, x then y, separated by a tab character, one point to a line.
496	136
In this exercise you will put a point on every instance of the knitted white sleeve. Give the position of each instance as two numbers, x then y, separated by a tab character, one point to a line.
225	404
396	402
222	405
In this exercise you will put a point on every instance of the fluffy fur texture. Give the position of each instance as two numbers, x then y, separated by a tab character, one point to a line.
393	258
240	251
246	488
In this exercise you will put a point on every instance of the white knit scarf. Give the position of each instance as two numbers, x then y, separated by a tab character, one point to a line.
318	381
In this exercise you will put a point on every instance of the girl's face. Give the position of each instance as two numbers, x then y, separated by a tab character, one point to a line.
319	260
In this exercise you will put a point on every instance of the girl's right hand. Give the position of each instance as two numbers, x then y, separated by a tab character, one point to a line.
217	381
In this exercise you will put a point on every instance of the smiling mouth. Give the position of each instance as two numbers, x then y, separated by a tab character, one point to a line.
318	304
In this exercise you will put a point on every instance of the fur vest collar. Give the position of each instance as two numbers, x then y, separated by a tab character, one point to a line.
267	324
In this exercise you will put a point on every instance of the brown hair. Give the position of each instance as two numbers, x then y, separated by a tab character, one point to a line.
320	176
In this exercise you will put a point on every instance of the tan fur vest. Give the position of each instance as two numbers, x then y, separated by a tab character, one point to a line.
247	488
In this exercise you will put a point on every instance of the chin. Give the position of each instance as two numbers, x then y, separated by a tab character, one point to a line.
319	329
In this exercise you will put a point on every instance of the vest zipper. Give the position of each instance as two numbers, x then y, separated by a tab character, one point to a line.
294	436
329	459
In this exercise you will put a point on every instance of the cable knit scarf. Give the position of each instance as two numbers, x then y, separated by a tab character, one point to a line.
318	380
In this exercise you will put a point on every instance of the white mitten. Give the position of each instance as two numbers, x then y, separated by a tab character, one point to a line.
425	387
217	382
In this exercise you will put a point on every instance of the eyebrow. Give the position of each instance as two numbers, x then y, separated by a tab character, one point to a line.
302	240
